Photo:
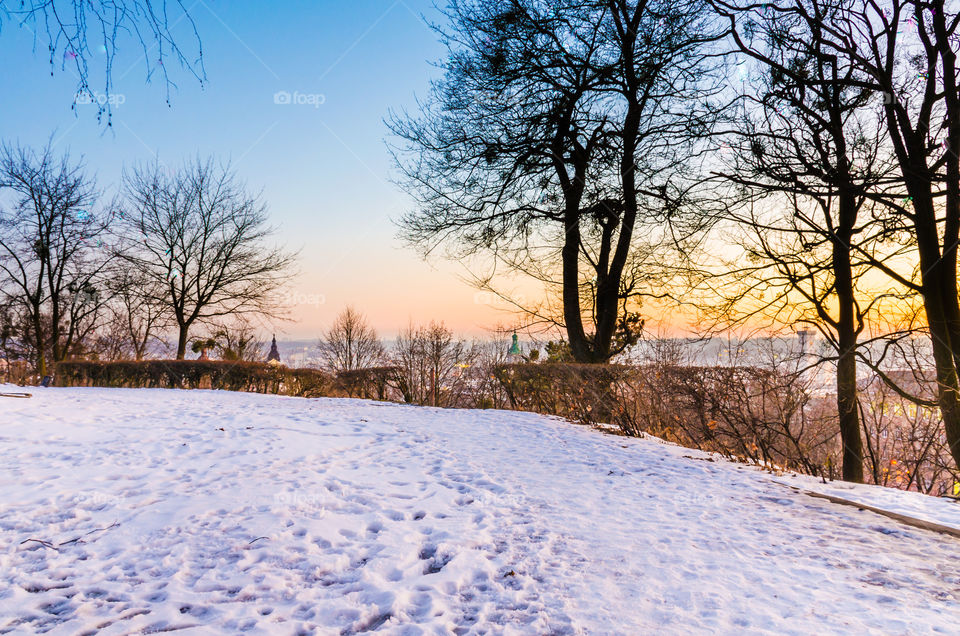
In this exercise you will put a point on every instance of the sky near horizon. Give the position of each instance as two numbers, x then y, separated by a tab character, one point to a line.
336	69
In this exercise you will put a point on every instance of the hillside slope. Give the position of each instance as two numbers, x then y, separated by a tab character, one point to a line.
237	512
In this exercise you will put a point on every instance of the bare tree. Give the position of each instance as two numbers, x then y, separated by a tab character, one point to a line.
137	316
350	343
487	355
905	447
237	340
806	158
198	239
432	365
50	268
14	333
904	52
72	29
556	132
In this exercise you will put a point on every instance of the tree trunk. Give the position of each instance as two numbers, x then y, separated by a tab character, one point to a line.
608	293
608	308
41	361
39	339
570	255
182	342
939	309
848	415
947	384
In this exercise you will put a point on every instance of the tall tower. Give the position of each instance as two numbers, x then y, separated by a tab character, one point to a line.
274	355
806	341
804	336
514	354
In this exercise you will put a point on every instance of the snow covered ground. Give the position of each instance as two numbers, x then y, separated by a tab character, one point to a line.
139	511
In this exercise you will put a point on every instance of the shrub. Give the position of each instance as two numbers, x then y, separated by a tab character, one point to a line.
753	413
759	414
433	367
256	377
18	372
582	392
904	443
374	383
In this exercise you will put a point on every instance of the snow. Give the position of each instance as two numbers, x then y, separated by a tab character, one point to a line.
939	511
233	512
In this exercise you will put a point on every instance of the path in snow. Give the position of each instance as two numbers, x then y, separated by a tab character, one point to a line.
344	516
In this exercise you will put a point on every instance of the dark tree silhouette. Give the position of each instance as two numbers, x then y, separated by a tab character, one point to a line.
904	52
430	363
198	237
50	267
137	316
350	343
555	131
805	160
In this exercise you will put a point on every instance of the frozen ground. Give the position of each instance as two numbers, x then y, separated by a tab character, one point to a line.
139	511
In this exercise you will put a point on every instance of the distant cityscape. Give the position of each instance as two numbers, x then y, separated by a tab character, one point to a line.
299	353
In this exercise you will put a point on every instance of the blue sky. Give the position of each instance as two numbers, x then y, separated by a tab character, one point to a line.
321	163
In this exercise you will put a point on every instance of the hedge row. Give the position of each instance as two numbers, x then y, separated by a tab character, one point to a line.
582	392
373	383
255	377
759	414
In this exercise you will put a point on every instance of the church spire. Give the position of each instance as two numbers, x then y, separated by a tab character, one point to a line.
274	355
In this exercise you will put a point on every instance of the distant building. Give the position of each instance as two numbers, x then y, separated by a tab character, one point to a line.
513	353
274	355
